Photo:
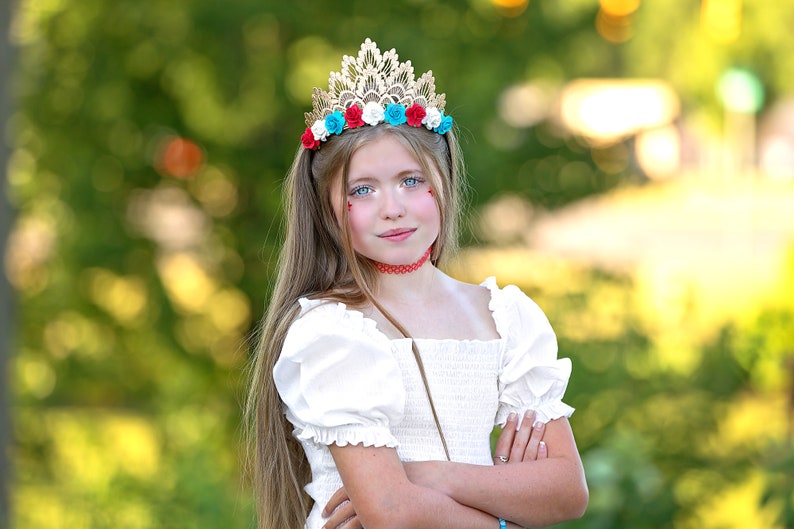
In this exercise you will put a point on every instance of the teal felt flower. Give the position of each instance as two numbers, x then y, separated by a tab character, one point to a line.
335	122
445	125
395	114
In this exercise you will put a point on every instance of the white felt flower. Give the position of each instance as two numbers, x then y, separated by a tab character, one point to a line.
319	130
373	113
432	119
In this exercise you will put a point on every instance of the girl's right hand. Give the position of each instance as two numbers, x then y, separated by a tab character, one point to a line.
520	443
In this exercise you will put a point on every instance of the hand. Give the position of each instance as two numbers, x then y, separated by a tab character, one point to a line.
524	443
340	512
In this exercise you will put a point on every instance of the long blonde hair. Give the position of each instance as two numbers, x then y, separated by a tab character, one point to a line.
317	260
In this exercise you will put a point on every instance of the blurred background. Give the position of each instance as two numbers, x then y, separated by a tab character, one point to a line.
632	169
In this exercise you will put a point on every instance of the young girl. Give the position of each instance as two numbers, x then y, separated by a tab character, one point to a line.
378	378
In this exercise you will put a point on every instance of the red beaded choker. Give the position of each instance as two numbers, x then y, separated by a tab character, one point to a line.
384	268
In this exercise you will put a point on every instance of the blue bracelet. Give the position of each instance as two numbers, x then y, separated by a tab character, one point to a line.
502	523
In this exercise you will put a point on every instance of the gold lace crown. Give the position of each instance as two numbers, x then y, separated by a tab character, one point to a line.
374	88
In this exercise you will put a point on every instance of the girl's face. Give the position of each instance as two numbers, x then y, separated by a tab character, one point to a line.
393	215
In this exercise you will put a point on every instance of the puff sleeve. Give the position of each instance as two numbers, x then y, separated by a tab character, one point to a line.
338	379
531	376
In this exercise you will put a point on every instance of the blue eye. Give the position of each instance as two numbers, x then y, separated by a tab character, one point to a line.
412	181
361	191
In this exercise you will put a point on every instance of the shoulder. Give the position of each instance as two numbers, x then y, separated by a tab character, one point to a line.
322	322
470	293
460	310
323	315
328	345
507	296
514	312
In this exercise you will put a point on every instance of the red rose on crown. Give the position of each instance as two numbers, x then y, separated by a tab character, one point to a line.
415	114
308	140
353	116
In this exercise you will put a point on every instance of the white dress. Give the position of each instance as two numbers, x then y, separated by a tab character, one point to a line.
343	381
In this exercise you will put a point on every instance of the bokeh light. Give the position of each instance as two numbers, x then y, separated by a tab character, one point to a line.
510	8
179	157
722	19
613	28
606	110
526	104
659	151
619	8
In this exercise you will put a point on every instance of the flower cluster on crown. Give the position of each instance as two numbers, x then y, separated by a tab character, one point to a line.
374	88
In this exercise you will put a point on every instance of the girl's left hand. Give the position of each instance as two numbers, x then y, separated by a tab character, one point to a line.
524	443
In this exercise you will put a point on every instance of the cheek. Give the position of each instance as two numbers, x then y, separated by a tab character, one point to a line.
357	217
427	207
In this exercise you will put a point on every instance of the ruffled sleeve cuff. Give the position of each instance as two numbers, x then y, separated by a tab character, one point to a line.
349	434
545	412
338	379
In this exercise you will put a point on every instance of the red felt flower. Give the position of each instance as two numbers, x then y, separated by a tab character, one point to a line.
353	116
308	140
415	114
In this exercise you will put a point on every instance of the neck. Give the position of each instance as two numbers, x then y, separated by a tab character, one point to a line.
384	268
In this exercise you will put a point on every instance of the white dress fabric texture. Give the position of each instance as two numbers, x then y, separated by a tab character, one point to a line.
343	381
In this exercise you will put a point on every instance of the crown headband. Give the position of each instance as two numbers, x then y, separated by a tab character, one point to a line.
374	88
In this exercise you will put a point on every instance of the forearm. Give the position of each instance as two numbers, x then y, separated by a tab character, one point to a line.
531	494
532	491
433	509
383	497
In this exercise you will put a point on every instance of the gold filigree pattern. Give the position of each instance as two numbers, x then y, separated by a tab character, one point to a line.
376	77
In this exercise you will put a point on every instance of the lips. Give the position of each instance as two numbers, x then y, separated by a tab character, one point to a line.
397	234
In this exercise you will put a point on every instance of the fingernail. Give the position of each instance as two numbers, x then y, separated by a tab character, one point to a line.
538	425
529	413
512	416
543	445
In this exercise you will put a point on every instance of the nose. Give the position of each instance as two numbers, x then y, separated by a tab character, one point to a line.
392	206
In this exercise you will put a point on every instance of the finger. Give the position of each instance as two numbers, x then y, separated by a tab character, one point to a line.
505	441
353	523
336	499
543	451
344	515
522	437
536	436
350	523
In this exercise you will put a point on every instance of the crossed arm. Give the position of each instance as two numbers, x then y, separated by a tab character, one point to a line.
542	483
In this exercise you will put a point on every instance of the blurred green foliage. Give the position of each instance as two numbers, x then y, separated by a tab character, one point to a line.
141	262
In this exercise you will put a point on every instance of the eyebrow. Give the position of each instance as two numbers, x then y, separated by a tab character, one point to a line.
406	172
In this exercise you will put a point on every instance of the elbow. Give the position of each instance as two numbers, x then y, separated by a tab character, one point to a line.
385	520
575	497
575	501
571	508
578	501
570	503
393	511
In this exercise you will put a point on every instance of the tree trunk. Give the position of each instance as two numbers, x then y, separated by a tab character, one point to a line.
6	303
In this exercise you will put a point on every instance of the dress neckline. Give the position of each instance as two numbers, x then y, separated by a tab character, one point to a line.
493	307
